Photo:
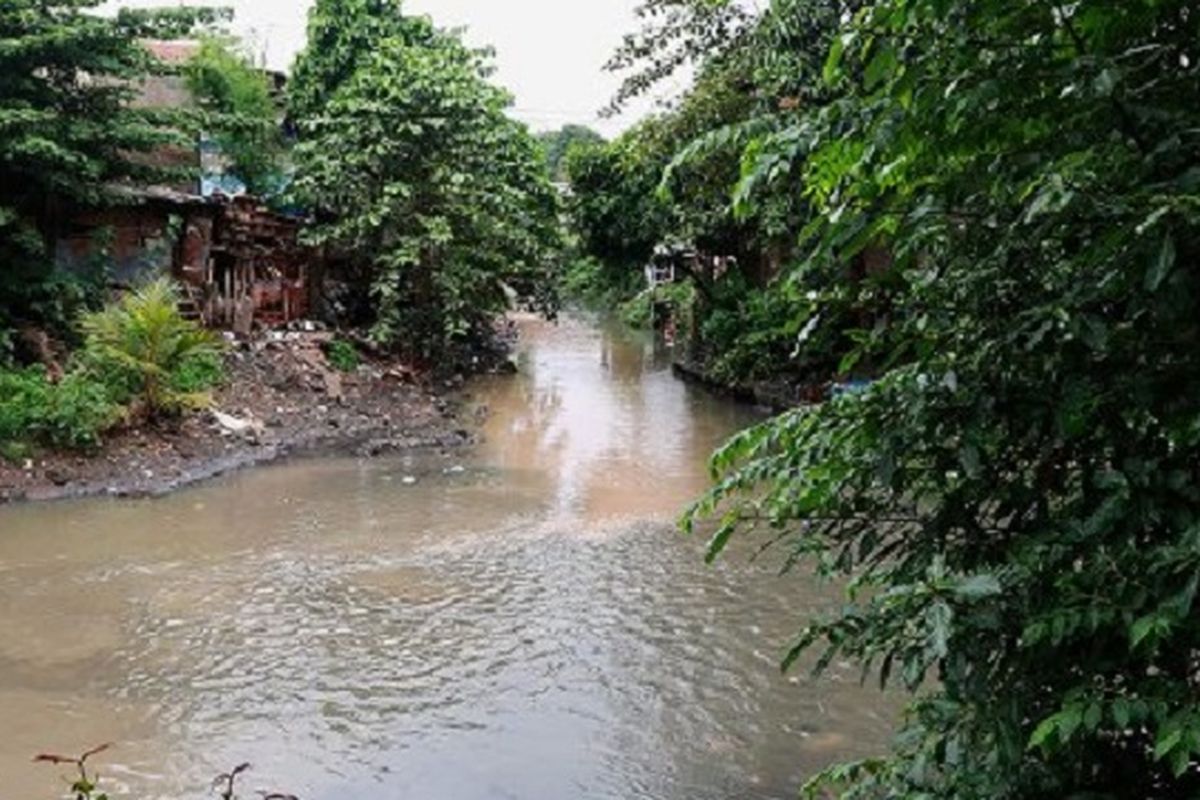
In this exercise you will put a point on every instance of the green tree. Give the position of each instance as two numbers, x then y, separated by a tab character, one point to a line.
558	143
437	199
68	133
669	181
245	115
1014	502
614	209
342	36
620	208
678	34
768	321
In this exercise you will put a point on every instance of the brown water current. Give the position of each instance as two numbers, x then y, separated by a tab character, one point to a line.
518	621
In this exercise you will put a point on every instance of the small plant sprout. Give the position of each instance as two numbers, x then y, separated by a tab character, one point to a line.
225	783
84	785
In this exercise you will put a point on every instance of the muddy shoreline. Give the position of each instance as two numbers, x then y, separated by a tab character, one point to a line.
282	400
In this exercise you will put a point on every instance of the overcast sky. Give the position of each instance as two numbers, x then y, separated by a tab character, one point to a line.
549	53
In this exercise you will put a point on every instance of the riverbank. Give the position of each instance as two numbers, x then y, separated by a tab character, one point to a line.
778	396
282	398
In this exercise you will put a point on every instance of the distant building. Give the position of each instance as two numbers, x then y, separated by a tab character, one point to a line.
675	261
170	90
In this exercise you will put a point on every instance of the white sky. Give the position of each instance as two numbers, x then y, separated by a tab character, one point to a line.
549	53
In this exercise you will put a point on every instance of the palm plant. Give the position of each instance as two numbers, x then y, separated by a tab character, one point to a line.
142	345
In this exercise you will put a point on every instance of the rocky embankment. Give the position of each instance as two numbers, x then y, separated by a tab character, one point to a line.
282	398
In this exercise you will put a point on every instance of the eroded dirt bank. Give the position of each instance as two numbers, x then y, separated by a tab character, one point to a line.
281	398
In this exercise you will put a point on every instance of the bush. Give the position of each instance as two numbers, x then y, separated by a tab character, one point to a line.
23	394
140	356
150	357
69	414
757	337
343	355
80	409
197	375
638	312
13	451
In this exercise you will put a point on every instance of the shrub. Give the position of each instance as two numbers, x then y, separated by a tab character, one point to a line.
757	337
79	410
679	298
343	355
150	356
70	414
23	394
638	312
13	451
199	374
140	355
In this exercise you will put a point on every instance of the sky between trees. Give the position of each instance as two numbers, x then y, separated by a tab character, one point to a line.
549	53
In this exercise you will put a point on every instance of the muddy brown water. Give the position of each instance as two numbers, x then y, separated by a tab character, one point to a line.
523	621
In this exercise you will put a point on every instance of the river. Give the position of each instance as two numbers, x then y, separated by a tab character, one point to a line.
518	621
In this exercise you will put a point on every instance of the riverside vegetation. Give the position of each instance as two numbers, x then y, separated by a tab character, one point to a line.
436	205
984	213
139	360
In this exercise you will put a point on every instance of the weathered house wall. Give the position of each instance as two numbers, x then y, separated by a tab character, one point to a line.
258	270
238	263
138	239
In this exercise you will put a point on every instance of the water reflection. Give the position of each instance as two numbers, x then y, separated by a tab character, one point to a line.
603	420
526	623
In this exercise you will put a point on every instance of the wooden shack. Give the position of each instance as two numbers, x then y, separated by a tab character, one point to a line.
239	264
257	272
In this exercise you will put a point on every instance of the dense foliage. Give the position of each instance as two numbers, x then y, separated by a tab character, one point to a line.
676	172
622	209
560	142
245	116
439	202
67	135
614	210
1013	501
140	360
342	34
34	410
